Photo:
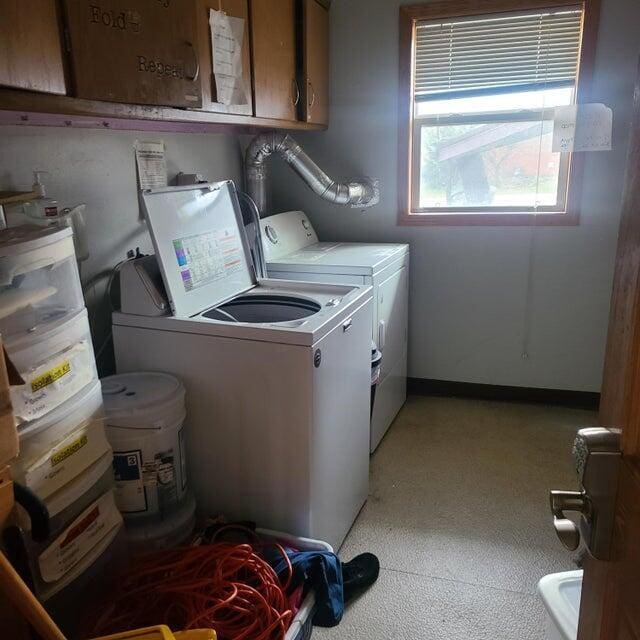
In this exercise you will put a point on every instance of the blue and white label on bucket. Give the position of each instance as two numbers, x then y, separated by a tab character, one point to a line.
130	494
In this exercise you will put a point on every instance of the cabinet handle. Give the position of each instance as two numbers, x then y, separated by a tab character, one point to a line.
195	57
296	92
313	94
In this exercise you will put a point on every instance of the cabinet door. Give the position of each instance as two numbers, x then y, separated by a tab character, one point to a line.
314	80
30	46
273	40
134	51
210	98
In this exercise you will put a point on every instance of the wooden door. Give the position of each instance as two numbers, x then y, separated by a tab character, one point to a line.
210	100
30	46
314	80
276	93
134	51
610	608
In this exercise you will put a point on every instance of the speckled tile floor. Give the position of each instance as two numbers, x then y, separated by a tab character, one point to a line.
458	515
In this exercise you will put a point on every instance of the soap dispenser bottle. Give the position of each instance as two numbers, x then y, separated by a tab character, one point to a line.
41	207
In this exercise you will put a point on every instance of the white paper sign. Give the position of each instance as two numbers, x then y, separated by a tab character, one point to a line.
583	127
152	164
227	35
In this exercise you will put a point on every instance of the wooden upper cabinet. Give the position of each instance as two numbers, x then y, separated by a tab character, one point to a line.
273	40
210	98
30	46
134	51
313	78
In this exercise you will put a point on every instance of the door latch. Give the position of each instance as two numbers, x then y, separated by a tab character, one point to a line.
597	457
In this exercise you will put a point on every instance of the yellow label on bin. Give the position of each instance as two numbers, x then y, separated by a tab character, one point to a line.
69	450
49	377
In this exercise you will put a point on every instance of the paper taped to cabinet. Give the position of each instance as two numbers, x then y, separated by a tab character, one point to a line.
582	127
227	35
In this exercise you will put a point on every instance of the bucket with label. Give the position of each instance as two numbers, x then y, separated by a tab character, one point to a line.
145	414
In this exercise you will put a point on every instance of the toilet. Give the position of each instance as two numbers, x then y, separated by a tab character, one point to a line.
560	593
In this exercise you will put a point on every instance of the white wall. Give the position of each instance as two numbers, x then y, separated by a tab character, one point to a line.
97	167
468	284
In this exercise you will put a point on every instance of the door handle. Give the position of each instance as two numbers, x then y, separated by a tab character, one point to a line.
597	456
572	501
194	77
347	325
296	92
312	101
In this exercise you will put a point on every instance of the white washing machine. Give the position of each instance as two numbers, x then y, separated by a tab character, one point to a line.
276	373
292	252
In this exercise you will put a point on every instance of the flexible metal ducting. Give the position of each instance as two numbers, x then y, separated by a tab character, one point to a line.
359	194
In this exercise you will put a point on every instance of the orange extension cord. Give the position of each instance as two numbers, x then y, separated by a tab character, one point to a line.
223	586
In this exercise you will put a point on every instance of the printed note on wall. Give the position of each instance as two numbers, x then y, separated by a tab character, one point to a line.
582	127
227	35
152	164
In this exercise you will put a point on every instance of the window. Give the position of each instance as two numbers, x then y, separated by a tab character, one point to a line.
478	93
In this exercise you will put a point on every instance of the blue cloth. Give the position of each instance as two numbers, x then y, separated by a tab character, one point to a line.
322	572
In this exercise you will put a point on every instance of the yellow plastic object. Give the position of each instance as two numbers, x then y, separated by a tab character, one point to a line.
162	632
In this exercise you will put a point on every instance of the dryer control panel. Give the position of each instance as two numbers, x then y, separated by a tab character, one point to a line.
285	233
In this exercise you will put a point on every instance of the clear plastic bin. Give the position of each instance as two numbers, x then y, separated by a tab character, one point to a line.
86	503
69	603
56	449
55	365
39	280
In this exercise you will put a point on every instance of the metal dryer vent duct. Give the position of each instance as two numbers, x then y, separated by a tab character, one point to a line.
358	194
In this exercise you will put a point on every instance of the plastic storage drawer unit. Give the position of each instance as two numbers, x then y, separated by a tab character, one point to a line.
39	281
63	444
80	516
55	365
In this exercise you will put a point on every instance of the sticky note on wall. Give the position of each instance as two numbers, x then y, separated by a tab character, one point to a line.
582	127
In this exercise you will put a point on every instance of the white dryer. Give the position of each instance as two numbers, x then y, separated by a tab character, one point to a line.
276	373
292	252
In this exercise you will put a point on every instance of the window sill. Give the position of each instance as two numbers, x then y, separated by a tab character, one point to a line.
480	219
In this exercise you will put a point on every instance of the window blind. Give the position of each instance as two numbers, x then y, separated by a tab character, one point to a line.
497	52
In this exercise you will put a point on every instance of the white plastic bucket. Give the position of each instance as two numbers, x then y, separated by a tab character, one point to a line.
55	365
60	446
174	530
145	416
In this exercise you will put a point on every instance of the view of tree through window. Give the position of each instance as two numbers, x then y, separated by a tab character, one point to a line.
502	163
485	90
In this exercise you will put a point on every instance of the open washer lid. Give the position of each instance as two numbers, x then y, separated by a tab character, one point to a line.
200	244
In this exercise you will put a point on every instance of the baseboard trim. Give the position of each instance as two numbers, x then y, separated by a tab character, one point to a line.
446	388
